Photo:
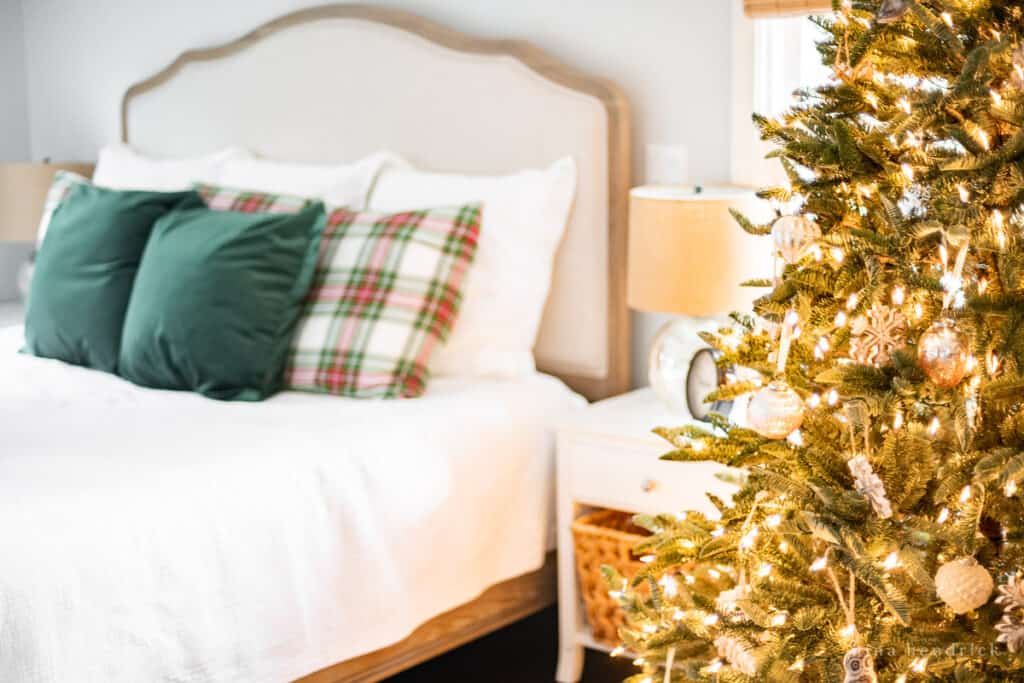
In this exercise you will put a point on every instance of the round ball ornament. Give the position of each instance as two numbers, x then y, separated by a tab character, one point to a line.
963	584
942	352
775	411
793	236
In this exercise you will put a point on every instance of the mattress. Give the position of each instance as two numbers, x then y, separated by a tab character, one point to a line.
160	536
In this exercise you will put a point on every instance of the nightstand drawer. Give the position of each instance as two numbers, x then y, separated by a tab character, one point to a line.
621	477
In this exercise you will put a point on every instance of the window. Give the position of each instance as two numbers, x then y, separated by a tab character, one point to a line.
772	58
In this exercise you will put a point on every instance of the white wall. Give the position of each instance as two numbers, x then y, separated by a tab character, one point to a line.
672	57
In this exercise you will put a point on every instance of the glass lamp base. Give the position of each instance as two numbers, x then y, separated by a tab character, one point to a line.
669	362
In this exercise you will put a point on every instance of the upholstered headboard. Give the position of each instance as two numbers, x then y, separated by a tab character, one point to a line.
335	83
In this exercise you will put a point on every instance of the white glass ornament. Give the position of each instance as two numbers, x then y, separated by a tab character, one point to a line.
793	236
775	411
963	584
943	352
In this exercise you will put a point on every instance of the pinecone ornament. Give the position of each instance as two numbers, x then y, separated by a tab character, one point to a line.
869	485
859	666
737	654
963	584
876	334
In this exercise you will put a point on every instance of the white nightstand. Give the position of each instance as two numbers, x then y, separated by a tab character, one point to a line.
11	313
607	457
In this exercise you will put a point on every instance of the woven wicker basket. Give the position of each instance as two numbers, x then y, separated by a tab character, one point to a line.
604	537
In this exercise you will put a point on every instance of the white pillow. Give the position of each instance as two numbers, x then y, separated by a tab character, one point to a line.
335	184
122	168
524	217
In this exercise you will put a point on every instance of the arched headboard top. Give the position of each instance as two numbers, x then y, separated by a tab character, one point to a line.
338	82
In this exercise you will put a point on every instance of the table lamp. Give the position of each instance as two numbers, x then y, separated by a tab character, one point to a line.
23	189
688	256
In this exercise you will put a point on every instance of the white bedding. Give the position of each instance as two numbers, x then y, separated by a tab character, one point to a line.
160	536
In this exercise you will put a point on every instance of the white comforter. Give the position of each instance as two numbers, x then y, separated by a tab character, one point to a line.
160	536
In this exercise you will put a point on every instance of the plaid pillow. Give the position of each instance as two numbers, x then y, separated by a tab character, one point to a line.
248	201
60	188
386	290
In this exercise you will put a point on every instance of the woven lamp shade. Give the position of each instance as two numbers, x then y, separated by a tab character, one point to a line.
23	188
778	8
687	255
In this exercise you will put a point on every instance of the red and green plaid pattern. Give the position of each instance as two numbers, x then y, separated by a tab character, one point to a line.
386	291
248	201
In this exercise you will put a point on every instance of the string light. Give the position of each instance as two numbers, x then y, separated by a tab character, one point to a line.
813	401
714	666
892	561
617	651
933	426
669	586
798	665
943	516
783	547
647	559
982	285
919	665
992	362
965	494
819	564
872	99
848	631
965	195
764	570
833	397
747	542
907	171
948	18
773	521
903	104
897	420
1010	489
851	302
997	99
714	573
918	311
779	619
898	295
983	139
711	620
838	255
717	531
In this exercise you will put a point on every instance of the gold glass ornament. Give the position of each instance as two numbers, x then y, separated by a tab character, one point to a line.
963	584
793	236
942	352
776	411
859	666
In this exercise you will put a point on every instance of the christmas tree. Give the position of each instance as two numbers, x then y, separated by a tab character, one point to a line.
877	533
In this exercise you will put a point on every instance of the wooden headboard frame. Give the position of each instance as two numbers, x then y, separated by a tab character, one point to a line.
616	370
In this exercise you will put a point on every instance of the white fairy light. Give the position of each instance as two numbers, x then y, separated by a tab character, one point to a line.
669	586
918	311
814	400
948	18
892	561
795	438
639	661
748	540
908	171
783	547
764	570
779	619
689	579
965	196
711	620
714	573
943	516
838	255
647	559
897	420
903	104
717	531
982	285
1010	489
848	631
773	521
714	666
649	629
992	362
833	397
997	99
617	651
679	615
933	426
919	665
840	320
898	294
965	494
819	564
851	302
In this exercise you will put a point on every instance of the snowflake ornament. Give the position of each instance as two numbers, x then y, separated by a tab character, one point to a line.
1011	632
868	484
1011	594
876	334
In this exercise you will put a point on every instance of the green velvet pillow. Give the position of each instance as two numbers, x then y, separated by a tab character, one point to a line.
216	301
85	269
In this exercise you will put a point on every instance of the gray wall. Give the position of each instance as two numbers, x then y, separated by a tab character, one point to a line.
673	58
14	135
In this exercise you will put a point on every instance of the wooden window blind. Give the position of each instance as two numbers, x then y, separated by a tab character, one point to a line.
776	8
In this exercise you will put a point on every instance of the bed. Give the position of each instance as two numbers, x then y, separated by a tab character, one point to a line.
153	535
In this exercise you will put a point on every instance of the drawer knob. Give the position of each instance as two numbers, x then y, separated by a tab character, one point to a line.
648	485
